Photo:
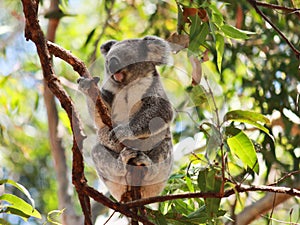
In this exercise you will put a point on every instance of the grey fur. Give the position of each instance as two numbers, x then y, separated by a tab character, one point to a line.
141	114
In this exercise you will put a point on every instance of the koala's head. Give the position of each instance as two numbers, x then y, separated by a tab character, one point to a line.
137	55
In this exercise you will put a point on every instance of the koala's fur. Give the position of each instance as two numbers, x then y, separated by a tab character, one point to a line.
141	114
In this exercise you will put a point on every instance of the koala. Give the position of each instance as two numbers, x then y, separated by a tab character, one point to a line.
137	151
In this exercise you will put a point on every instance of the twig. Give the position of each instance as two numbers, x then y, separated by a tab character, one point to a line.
214	102
254	5
285	177
106	23
278	7
272	210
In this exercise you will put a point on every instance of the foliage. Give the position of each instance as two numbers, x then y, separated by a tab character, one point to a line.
250	79
12	204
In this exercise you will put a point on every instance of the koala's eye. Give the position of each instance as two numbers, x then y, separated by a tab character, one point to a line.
114	65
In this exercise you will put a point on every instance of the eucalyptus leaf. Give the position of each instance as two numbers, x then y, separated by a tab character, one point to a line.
213	144
197	94
198	33
53	216
253	118
209	181
19	204
220	50
240	145
19	187
235	33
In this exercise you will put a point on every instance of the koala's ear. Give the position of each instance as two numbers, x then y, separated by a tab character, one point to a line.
106	47
158	50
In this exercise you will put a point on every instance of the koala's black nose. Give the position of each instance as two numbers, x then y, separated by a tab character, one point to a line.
114	65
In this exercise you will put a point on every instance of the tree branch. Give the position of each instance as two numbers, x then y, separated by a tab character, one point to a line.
254	5
82	70
278	7
57	149
238	188
33	32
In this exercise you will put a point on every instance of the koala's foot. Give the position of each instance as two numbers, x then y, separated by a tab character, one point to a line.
126	155
142	160
134	157
85	83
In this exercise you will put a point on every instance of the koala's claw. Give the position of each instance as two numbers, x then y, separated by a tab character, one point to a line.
126	155
113	137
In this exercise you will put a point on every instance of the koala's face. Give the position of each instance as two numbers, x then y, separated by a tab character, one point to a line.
128	57
132	72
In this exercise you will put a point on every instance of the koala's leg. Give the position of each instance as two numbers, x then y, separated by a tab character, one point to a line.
113	164
109	164
162	162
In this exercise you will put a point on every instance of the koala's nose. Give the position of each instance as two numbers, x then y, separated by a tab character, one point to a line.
114	65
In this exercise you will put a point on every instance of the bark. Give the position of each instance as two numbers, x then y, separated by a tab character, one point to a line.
69	216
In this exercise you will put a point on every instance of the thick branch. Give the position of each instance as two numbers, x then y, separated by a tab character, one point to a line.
57	149
33	32
254	5
82	70
122	208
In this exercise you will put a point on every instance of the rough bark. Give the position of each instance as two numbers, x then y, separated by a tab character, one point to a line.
69	216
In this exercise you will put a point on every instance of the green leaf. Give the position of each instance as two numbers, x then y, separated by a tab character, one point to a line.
19	204
220	50
53	216
197	94
182	207
256	119
213	143
189	184
209	181
159	218
235	33
217	19
242	147
19	213
89	37
21	188
198	33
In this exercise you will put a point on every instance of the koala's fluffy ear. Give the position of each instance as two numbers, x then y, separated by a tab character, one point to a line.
106	47
158	50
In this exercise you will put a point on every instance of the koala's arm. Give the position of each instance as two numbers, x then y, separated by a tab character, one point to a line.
84	85
154	116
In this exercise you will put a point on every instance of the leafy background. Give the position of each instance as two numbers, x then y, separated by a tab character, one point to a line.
247	69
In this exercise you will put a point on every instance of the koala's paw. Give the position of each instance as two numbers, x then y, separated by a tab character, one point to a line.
119	134
85	83
142	160
127	155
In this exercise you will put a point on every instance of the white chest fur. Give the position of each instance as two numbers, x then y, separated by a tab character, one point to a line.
128	100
